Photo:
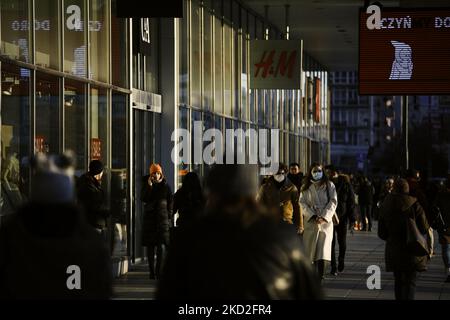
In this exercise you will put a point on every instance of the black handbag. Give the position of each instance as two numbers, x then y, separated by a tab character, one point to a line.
416	242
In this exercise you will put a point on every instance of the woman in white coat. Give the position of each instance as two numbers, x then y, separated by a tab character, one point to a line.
318	200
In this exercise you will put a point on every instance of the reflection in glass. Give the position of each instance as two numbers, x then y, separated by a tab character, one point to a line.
47	111
119	49
99	43
15	31
74	122
74	38
15	137
47	34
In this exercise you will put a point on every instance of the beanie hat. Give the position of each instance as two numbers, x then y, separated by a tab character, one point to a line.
155	168
95	167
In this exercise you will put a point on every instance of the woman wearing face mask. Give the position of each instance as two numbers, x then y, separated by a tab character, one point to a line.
318	199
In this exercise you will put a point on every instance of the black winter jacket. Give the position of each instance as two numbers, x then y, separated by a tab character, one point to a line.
394	211
40	242
92	198
157	220
219	259
346	200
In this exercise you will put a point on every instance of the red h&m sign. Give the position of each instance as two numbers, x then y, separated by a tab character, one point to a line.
96	149
275	64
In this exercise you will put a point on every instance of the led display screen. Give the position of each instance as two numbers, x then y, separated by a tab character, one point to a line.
404	51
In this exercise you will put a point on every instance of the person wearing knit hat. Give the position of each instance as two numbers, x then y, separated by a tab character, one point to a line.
91	196
157	219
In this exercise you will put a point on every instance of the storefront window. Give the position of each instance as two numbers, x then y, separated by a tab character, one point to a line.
218	55
196	167
74	38
228	69
207	60
47	111
184	79
46	27
15	137
183	122
195	54
99	125
119	173
152	61
119	49
74	122
99	39
15	31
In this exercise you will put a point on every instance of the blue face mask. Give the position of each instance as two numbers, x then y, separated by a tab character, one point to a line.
317	175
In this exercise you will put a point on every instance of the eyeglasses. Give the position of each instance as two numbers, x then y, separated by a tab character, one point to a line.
316	171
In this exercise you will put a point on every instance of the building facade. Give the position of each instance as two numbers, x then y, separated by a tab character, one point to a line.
76	77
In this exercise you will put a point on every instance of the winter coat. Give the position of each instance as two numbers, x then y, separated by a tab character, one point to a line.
282	199
345	200
416	191
318	238
297	180
443	203
158	202
366	193
392	228
92	198
189	205
219	258
37	246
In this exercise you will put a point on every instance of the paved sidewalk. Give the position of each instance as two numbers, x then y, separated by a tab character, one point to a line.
363	249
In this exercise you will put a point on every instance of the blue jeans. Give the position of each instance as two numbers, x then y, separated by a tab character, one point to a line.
446	254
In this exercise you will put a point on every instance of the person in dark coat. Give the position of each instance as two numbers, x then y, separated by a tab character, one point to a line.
392	227
189	200
345	212
158	202
296	176
441	223
47	242
365	199
91	196
237	250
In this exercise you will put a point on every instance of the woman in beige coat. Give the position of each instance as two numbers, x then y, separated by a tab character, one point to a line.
318	200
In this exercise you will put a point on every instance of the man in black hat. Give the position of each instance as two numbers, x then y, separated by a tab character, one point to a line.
91	196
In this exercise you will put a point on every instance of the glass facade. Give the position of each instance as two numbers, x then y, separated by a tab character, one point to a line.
70	86
59	95
217	54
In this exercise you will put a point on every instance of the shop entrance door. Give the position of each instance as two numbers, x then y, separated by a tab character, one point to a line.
143	156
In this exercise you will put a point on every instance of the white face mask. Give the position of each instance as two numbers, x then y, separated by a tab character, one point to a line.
279	177
317	176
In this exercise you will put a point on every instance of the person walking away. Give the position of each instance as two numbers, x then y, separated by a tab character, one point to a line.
189	200
280	196
92	198
416	191
441	223
318	199
158	201
392	227
366	192
237	250
48	242
345	213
